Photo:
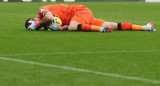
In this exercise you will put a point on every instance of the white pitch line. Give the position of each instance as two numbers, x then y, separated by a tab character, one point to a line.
98	52
84	70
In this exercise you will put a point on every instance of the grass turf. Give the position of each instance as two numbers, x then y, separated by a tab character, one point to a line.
129	53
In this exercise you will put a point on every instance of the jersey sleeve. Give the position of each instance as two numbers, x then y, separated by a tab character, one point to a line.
42	11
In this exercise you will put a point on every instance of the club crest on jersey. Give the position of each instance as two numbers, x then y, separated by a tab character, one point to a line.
41	11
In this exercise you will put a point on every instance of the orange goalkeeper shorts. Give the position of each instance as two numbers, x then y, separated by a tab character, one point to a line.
85	16
96	22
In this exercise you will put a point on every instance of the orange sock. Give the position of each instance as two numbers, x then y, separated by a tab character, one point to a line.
137	27
124	26
95	28
87	27
83	27
129	26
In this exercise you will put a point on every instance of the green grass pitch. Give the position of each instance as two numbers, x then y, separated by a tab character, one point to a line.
120	58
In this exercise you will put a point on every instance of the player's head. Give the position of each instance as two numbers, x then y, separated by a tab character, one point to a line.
29	21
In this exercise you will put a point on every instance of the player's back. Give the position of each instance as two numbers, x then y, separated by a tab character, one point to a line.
64	11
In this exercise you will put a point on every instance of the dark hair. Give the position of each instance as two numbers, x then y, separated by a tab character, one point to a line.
26	23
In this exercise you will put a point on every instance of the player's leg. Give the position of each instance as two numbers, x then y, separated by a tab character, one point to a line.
99	22
123	26
110	24
87	27
80	24
73	26
82	21
75	21
129	26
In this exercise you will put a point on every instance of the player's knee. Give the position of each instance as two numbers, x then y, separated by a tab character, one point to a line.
72	27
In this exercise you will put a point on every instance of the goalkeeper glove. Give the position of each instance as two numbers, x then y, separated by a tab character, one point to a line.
54	26
34	26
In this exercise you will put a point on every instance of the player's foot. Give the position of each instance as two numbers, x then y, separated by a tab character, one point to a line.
150	27
106	29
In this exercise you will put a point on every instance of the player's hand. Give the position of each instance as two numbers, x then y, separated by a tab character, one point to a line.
54	26
33	26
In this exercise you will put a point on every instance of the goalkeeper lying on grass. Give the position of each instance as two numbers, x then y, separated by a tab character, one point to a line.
77	18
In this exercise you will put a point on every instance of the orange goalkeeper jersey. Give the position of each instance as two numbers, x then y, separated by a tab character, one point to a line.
64	11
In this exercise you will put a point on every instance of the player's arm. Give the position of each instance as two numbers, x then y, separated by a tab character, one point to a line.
65	27
48	18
